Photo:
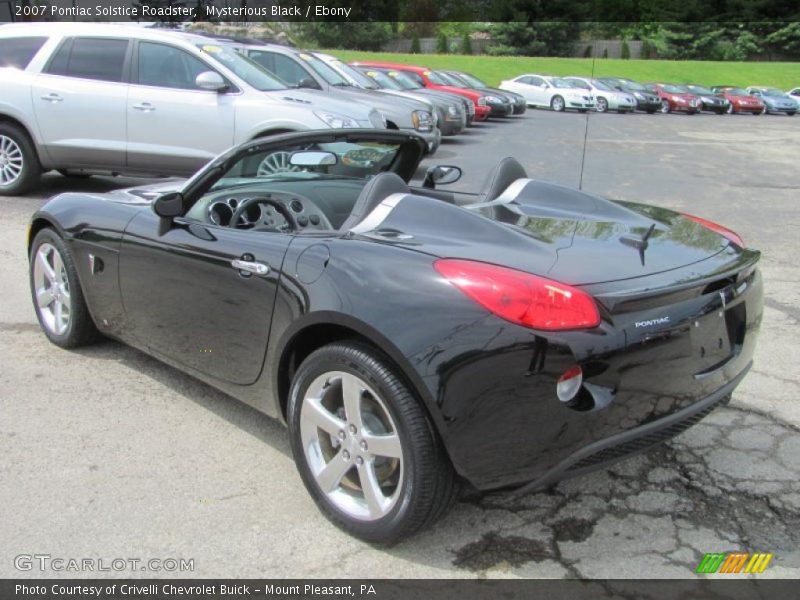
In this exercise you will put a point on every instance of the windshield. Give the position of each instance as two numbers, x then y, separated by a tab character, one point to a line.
602	86
773	92
450	79
632	85
248	70
673	89
408	83
736	92
354	160
437	79
358	77
699	89
472	80
568	83
381	78
327	73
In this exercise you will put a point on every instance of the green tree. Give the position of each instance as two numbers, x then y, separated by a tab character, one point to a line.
646	52
521	38
785	41
466	44
441	43
625	50
346	35
415	48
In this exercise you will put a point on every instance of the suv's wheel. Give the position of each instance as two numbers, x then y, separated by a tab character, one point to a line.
56	291
19	165
364	446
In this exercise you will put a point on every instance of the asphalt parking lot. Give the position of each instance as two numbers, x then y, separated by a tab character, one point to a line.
107	453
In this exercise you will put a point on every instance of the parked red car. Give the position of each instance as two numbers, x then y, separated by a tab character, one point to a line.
431	80
673	98
741	101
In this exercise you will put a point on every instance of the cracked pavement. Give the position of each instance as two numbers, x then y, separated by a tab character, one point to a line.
105	452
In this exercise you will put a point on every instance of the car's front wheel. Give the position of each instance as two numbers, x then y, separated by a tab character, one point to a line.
364	446
731	110
56	292
602	105
19	165
665	107
557	104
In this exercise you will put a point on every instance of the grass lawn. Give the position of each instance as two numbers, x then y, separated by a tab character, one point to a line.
493	69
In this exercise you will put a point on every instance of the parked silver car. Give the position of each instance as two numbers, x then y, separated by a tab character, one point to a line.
126	99
302	69
451	114
606	97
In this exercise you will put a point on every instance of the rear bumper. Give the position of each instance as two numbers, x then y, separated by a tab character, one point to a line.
633	441
505	426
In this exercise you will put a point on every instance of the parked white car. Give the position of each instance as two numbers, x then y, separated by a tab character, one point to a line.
606	98
795	94
544	90
124	99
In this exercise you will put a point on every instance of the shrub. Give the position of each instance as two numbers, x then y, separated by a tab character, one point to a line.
588	52
605	52
415	49
625	50
441	44
466	44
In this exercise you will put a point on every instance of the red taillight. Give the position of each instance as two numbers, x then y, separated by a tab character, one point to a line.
723	231
520	297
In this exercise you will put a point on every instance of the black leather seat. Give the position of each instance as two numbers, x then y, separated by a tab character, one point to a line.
376	191
503	175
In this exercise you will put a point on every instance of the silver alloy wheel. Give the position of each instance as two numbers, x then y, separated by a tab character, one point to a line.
11	161
52	289
665	106
602	105
558	103
351	445
277	162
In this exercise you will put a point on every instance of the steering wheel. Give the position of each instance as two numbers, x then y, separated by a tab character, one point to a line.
277	205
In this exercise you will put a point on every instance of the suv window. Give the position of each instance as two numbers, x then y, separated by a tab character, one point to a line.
167	66
283	66
18	52
90	58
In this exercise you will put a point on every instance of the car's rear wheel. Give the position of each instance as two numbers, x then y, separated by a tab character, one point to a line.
364	446
665	107
56	292
19	165
557	104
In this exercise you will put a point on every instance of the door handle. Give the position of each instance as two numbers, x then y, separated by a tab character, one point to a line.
144	106
246	266
53	97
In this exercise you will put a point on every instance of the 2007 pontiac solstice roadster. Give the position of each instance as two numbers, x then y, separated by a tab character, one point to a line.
415	340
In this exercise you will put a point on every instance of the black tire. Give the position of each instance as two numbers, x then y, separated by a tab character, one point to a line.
429	485
81	329
31	169
602	105
73	174
557	103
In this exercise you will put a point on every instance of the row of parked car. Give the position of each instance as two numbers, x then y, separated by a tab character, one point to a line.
82	98
605	94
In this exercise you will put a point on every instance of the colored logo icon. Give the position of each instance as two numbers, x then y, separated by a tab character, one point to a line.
734	562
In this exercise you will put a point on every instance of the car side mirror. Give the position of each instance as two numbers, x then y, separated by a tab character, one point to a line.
308	83
211	81
442	175
167	207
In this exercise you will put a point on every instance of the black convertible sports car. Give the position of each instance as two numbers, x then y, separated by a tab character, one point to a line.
414	340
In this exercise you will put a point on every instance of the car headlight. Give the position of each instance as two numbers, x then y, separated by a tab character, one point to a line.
638	95
422	120
493	99
452	110
482	101
335	121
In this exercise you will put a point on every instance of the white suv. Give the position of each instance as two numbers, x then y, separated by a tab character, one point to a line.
127	99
